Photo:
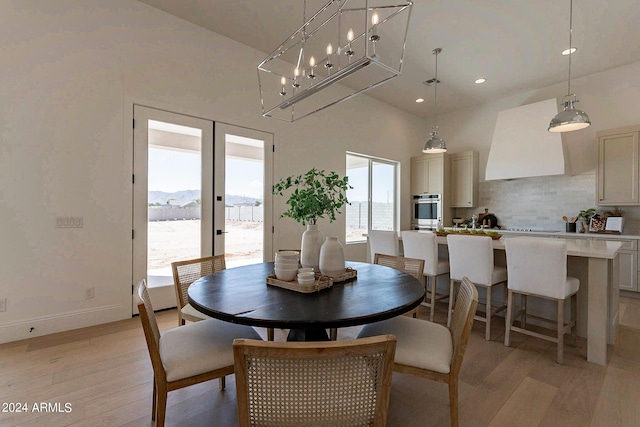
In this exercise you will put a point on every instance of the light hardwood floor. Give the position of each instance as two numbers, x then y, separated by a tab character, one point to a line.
104	373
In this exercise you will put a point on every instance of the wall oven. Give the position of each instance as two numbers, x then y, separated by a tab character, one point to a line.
426	210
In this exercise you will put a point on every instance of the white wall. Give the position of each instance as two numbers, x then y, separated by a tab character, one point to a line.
71	72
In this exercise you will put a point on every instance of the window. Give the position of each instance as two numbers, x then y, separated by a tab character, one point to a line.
373	197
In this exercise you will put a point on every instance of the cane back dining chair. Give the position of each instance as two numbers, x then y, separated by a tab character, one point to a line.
187	272
472	257
334	383
430	350
423	245
410	266
186	355
538	268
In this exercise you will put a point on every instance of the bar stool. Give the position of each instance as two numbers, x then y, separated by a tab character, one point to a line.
538	267
383	242
472	256
423	245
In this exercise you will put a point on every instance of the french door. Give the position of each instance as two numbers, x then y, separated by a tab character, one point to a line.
197	193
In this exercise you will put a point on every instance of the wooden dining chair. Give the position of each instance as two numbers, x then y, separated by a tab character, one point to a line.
410	266
332	383
187	272
186	355
430	350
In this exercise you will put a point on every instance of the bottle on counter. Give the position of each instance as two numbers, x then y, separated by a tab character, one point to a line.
439	227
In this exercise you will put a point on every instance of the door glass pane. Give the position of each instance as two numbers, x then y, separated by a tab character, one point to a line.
174	198
357	213
382	195
244	200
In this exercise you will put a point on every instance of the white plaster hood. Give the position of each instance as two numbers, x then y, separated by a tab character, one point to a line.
522	147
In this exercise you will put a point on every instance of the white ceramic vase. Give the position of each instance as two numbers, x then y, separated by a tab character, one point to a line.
312	240
331	258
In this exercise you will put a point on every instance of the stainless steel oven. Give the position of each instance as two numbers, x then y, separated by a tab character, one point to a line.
426	210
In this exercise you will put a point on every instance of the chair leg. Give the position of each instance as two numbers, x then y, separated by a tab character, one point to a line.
560	330
162	405
574	318
270	334
154	401
434	282
509	319
222	383
453	402
523	319
489	308
452	297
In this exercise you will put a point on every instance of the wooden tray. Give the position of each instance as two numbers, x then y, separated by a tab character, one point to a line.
322	282
349	273
446	233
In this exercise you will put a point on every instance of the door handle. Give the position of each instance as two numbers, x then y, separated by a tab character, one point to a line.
219	232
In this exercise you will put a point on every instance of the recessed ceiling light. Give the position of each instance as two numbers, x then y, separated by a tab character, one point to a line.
480	81
419	100
569	51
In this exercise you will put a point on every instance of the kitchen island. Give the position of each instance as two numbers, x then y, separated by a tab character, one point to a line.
595	263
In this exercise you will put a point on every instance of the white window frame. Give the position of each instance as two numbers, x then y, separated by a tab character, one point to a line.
396	199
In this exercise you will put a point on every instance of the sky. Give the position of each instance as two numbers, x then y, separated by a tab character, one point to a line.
172	171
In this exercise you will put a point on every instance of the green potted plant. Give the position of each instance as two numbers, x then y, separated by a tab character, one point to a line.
585	218
316	194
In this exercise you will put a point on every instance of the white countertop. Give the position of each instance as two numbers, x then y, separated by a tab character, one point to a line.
587	248
587	235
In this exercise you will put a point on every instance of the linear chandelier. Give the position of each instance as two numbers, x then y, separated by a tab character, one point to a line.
358	43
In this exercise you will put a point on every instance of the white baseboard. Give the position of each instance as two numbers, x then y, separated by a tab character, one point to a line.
62	322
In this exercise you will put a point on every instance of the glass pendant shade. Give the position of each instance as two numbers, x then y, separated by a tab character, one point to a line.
435	144
569	118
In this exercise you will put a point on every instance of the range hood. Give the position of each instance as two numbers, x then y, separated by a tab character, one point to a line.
522	147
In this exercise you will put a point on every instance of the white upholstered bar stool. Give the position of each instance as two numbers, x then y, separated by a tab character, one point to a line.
423	245
538	267
383	242
472	256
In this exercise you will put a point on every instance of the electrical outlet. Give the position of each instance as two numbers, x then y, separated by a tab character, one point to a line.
3	304
89	293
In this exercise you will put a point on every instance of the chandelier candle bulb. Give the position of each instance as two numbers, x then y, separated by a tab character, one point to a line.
329	65
349	51
296	74
283	81
312	65
375	20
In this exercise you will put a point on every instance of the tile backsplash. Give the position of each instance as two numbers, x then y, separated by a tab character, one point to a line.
539	203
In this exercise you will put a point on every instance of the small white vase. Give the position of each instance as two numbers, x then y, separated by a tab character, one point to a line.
312	240
331	258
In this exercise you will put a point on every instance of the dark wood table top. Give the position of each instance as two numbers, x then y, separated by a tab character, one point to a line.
241	295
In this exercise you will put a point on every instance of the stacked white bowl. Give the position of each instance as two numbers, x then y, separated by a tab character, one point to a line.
306	276
286	265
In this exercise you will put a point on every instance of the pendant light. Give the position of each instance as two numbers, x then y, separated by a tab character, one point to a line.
570	118
435	144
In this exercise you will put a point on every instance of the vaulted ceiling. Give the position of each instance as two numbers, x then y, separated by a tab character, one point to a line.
514	45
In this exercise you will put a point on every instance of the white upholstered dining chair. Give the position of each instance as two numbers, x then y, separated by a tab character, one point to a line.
423	245
188	354
428	349
472	257
538	268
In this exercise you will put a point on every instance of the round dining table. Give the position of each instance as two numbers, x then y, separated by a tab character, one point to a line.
241	295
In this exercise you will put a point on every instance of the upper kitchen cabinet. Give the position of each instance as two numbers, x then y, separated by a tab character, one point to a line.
464	179
617	173
428	173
